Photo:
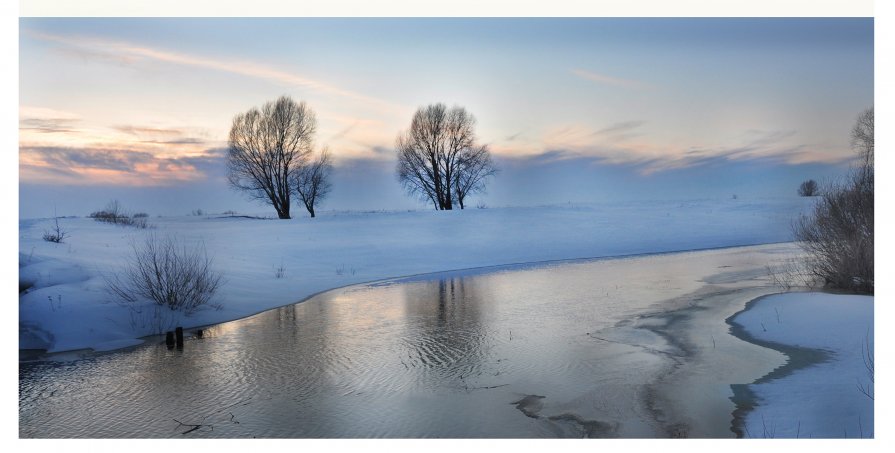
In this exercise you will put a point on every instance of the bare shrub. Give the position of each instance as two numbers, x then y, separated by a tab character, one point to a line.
57	234
808	188
791	273
838	235
167	273
136	222
113	213
110	214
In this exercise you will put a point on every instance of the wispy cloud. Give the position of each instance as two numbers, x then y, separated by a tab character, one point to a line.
609	80
98	165
47	121
122	52
160	135
47	125
143	130
622	127
604	146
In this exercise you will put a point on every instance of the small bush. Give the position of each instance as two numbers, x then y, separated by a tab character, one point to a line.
136	222
113	213
109	214
166	272
838	236
57	234
51	237
808	189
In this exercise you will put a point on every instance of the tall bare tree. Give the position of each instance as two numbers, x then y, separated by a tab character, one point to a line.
267	148
437	152
838	236
312	181
862	137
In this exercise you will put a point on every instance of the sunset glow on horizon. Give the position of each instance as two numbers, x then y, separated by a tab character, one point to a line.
149	102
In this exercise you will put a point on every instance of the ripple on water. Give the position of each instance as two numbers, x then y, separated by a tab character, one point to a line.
440	358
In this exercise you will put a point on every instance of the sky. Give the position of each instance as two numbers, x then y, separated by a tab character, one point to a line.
573	110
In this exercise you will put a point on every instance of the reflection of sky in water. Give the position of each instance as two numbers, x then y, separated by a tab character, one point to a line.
424	358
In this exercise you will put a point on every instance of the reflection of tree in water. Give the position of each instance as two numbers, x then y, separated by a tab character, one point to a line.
447	336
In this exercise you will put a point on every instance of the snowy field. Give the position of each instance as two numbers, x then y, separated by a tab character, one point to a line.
829	399
67	306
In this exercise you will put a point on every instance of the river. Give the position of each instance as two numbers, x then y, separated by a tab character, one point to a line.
566	349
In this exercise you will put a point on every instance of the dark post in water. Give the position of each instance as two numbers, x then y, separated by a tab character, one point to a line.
179	334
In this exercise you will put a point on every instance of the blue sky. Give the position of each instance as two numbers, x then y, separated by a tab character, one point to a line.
589	109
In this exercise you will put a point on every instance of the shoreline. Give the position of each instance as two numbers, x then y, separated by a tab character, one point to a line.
797	358
42	354
692	396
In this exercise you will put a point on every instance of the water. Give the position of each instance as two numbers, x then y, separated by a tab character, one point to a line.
546	351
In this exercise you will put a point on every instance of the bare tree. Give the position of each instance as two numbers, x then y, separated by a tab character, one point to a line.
474	169
267	148
312	182
808	188
436	154
838	236
862	138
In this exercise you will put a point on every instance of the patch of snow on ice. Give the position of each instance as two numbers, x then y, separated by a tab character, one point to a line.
824	400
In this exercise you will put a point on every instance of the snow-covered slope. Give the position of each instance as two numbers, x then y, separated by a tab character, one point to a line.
68	308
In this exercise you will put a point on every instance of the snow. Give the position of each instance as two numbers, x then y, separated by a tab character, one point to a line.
822	400
67	307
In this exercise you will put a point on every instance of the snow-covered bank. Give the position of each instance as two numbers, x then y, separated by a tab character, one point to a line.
823	400
67	307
